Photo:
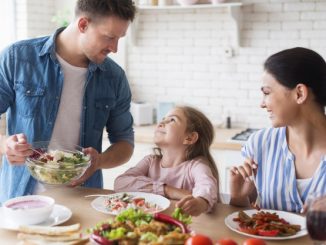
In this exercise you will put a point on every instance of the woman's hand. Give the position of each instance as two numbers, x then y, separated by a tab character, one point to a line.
242	188
95	163
16	148
193	206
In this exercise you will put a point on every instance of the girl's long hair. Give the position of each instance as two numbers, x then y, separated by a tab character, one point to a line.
198	122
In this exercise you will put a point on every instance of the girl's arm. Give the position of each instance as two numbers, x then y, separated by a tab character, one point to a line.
136	179
205	184
175	193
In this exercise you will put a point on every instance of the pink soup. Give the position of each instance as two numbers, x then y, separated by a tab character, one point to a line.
28	204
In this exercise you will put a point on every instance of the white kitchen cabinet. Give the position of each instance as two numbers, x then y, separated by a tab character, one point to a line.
225	160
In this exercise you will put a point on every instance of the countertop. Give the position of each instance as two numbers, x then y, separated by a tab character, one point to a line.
211	224
144	134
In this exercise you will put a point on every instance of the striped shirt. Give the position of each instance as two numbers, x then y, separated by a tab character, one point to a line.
276	178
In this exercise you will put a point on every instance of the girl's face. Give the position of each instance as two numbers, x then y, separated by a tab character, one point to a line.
171	130
278	100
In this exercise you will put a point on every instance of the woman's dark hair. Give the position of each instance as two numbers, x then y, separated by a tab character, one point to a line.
299	65
125	9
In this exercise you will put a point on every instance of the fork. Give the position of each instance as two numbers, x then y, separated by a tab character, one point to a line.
256	205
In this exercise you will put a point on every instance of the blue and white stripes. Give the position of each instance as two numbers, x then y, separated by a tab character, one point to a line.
276	178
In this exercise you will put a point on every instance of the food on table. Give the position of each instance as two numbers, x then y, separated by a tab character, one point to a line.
179	215
265	224
60	234
123	201
57	166
226	241
254	241
133	226
199	239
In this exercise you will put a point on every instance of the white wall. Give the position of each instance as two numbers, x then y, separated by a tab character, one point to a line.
179	55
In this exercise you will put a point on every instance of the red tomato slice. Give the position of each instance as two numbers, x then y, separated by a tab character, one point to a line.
268	232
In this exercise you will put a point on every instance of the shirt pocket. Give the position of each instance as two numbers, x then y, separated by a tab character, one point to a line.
103	108
28	98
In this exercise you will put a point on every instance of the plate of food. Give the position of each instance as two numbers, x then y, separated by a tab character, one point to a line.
115	203
267	224
133	226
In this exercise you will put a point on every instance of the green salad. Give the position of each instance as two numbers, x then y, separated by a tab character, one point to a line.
58	167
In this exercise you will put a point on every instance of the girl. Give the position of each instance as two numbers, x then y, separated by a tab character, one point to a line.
182	168
288	160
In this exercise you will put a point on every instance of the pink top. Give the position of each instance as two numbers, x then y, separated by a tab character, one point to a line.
148	176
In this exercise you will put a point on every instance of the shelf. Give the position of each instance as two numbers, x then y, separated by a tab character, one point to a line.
193	6
234	10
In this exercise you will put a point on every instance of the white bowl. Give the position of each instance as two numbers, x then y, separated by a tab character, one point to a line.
28	210
187	2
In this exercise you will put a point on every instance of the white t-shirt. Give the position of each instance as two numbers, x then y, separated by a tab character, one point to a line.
68	122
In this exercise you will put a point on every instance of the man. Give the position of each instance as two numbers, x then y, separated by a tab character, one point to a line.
64	88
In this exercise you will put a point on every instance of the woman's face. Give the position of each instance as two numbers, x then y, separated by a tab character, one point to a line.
171	130
278	100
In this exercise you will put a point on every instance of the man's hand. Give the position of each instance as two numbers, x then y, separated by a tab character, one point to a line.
193	205
16	148
95	163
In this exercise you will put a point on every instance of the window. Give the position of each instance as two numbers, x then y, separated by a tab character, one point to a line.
8	16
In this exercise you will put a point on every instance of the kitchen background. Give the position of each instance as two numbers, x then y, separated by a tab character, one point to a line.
197	55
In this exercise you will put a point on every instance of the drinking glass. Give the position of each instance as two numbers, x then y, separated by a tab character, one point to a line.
316	219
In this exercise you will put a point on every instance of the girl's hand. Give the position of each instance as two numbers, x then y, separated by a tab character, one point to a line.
16	148
242	186
192	206
95	163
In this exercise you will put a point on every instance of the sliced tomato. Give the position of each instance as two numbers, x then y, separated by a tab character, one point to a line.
268	232
139	201
248	230
199	240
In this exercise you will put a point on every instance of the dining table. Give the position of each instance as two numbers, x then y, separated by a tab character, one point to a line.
209	224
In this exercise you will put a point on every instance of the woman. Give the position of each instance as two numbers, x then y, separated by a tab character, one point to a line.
288	161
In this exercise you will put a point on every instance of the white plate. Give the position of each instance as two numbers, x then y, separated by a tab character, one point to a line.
59	215
292	218
99	203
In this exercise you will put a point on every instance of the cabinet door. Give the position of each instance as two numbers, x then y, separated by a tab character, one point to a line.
225	160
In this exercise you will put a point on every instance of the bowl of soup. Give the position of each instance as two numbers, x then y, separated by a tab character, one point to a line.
28	210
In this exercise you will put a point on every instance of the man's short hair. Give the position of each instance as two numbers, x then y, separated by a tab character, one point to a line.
124	9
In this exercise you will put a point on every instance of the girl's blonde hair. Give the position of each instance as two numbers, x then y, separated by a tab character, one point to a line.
198	122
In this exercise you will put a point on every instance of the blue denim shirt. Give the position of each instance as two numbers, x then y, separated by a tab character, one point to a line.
31	81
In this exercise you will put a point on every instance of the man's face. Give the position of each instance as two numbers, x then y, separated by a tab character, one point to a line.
100	37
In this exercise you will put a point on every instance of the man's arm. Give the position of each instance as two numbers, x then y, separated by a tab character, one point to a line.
116	155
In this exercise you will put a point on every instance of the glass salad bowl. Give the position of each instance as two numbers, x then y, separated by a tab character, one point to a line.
57	163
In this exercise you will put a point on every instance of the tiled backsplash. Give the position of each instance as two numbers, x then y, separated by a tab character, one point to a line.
180	57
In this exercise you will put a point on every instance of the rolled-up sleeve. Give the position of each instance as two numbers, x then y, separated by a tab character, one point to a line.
119	125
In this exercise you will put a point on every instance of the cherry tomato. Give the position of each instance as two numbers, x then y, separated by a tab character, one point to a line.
226	241
254	241
199	240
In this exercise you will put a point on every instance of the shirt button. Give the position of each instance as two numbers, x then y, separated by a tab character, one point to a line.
50	123
57	97
28	91
85	107
106	106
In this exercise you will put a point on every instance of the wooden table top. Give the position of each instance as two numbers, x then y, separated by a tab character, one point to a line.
211	225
